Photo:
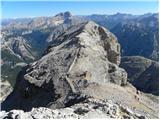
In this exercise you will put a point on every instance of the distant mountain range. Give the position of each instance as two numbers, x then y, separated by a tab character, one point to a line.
137	34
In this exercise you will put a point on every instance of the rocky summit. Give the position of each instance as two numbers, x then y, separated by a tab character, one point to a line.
84	54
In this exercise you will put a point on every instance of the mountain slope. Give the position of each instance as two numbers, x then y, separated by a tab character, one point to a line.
17	49
25	40
143	73
139	36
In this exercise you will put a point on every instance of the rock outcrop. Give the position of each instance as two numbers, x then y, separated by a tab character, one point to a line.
90	108
84	54
107	100
5	89
143	73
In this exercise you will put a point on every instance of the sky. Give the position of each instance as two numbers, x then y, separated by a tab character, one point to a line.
19	9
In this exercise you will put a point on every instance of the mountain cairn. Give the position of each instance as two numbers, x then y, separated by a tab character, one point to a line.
85	54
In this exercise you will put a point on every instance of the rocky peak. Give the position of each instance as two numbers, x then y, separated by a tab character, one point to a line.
65	15
93	35
84	54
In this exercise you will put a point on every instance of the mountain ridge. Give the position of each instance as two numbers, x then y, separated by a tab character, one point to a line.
70	61
80	61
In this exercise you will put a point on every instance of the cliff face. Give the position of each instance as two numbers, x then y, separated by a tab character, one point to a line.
84	54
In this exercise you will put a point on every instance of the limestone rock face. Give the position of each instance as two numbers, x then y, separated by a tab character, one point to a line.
85	52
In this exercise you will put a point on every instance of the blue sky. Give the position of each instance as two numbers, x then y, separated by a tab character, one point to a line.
19	9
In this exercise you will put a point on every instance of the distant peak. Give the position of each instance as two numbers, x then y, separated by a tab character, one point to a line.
66	14
119	14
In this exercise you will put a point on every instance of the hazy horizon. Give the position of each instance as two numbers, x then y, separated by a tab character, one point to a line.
74	15
30	9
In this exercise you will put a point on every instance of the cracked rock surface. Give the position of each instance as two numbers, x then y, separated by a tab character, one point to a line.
90	108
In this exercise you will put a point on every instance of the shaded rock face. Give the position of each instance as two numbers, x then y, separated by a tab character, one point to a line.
143	73
85	52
